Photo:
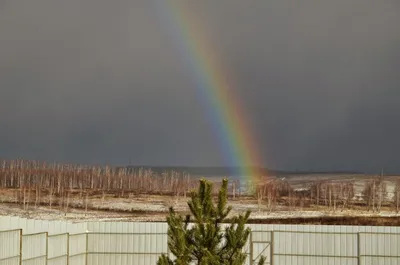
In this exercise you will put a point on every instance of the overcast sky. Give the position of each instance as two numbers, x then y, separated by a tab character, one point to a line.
99	81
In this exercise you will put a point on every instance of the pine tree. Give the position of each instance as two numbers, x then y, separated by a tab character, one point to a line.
200	238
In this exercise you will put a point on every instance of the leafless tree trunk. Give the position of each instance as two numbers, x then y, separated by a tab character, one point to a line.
67	204
260	195
86	202
397	195
291	200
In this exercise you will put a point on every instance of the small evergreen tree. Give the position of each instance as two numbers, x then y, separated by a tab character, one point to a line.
200	238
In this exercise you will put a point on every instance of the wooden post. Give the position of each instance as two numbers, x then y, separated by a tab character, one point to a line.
47	247
251	249
20	247
271	247
358	249
87	247
67	248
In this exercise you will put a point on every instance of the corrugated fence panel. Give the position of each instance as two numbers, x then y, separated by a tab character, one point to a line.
31	226
127	227
117	248
6	223
142	243
136	243
380	248
34	249
77	249
298	247
125	259
260	245
10	245
78	260
57	227
308	260
58	249
9	222
77	228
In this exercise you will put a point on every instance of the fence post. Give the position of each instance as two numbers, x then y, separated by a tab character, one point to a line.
87	247
20	247
168	251
358	249
271	247
251	248
47	247
67	248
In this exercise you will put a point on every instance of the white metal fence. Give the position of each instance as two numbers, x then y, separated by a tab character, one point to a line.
58	249
10	247
32	226
123	243
280	247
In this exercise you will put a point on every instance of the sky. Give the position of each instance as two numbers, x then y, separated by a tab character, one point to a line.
105	82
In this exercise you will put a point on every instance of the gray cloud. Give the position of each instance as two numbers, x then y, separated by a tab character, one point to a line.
103	82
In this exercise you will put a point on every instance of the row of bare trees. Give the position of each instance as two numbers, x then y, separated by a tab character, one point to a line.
53	184
19	174
376	194
42	183
333	195
36	183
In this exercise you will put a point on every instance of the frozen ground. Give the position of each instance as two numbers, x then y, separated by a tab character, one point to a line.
133	210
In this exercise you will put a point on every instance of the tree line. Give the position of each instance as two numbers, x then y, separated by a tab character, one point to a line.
54	184
332	194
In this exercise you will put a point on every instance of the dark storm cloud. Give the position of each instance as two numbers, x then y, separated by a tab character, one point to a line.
102	82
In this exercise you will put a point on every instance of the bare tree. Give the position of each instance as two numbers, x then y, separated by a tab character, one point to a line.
260	191
315	192
347	193
374	194
396	197
292	198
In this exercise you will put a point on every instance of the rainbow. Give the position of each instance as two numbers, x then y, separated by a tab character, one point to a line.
227	116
